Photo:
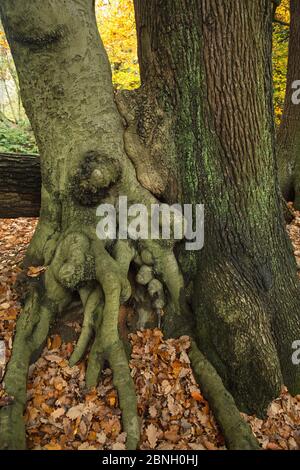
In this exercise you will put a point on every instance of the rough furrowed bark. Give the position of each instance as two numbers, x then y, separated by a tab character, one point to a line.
172	81
20	185
208	66
58	51
253	317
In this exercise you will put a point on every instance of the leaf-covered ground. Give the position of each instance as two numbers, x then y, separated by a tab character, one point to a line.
62	414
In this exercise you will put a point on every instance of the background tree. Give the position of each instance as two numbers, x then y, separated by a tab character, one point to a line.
288	146
115	20
280	55
15	132
200	129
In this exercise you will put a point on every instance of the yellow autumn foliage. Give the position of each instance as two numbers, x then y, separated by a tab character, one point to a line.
116	24
280	57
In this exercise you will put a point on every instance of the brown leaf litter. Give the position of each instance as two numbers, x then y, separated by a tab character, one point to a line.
62	414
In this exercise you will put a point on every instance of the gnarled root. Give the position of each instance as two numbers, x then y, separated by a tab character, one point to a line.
99	273
32	330
237	433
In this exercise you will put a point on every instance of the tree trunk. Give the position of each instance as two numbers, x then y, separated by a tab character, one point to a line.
288	139
208	63
199	130
66	88
20	185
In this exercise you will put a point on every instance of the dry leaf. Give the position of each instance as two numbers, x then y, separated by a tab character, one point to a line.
196	446
101	437
118	446
172	436
4	305
196	395
35	271
273	446
152	411
86	446
112	401
53	446
53	358
76	411
152	435
57	413
56	342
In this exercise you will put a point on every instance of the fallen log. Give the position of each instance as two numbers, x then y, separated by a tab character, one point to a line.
20	185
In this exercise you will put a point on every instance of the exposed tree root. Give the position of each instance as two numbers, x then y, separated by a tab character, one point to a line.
84	263
32	330
99	273
237	433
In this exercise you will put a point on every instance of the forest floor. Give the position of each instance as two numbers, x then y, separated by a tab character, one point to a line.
62	414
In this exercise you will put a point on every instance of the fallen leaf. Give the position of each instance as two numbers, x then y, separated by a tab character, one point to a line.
53	446
196	395
172	436
152	411
196	446
86	446
35	271
56	342
53	358
152	433
112	401
118	446
273	446
101	437
4	305
58	413
76	411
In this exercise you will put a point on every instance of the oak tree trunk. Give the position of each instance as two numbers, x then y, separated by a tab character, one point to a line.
208	64
288	139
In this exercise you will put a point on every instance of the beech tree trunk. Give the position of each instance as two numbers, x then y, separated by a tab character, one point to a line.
20	185
199	130
288	139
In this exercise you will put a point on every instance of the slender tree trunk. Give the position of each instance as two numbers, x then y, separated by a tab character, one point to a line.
10	102
288	139
208	63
